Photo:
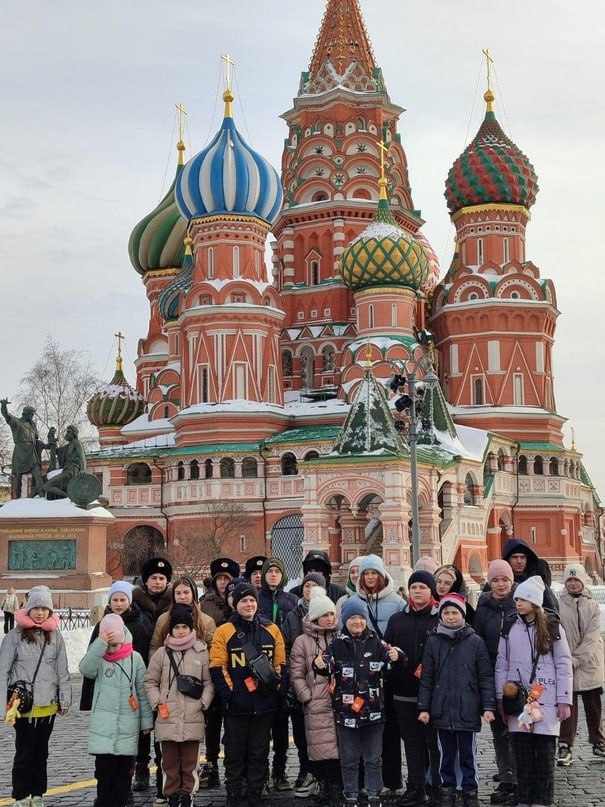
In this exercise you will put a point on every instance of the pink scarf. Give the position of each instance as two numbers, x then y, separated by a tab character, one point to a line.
183	643
124	651
24	620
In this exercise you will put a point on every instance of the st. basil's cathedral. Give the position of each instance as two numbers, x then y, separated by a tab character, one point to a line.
278	394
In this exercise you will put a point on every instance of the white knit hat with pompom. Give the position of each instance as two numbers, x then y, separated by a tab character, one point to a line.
320	604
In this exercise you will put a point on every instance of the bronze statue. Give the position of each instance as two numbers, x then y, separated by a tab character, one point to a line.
71	459
28	447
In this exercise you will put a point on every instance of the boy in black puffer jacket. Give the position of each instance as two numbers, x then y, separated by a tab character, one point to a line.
456	687
356	662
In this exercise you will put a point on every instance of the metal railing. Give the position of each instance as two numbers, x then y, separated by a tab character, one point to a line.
72	618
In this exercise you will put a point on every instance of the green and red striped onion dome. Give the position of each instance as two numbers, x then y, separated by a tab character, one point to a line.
116	403
157	240
492	169
384	255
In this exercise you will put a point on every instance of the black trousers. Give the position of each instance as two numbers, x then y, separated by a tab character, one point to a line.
281	738
420	743
144	752
247	752
391	744
300	741
535	755
31	754
9	621
113	780
212	732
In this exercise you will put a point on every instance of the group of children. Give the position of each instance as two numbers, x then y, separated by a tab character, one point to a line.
442	679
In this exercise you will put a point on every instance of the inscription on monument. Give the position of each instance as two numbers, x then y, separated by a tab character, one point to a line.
41	555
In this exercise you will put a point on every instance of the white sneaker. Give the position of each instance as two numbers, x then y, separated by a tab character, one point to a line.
306	788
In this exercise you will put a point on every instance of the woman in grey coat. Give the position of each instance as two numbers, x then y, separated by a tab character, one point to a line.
35	652
581	619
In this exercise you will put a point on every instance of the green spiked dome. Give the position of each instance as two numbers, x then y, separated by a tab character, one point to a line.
115	404
492	169
384	255
157	240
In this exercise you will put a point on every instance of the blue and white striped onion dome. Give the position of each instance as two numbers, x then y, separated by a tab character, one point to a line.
228	177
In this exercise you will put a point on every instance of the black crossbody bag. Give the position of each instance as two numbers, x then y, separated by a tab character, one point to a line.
261	668
187	685
24	690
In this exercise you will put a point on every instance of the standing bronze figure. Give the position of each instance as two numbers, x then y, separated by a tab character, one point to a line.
28	447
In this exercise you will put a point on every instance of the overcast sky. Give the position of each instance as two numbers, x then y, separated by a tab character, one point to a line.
87	147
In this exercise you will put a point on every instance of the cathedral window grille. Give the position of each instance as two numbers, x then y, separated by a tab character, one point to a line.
227	468
289	465
139	473
249	468
203	384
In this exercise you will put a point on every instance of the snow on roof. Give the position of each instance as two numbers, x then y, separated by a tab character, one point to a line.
143	424
41	508
219	283
120	390
469	443
236	405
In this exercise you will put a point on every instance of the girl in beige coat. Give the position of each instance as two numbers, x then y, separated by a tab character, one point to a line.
312	690
180	724
581	619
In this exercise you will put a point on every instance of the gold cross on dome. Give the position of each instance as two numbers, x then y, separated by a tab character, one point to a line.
384	149
182	112
120	337
229	63
489	61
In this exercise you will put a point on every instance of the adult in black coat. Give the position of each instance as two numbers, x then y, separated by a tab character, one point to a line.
408	630
525	563
319	561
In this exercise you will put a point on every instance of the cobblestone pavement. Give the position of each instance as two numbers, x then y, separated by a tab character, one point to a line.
71	782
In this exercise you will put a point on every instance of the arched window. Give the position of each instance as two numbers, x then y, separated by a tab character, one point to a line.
480	251
538	466
180	471
370	316
478	391
227	468
236	261
311	455
505	250
249	468
139	473
522	465
208	469
501	460
194	469
210	262
469	491
289	465
553	466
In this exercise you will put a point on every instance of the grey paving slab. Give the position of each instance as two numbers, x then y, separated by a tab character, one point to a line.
71	781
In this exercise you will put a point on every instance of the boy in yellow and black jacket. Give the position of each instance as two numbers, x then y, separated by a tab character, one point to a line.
248	703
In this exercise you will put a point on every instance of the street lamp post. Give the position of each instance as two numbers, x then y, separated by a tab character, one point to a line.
411	403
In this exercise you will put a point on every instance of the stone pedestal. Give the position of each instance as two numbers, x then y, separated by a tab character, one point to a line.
56	544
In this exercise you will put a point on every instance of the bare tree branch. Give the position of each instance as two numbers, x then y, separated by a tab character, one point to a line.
58	386
194	546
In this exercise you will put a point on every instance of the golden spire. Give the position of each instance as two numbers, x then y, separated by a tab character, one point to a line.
573	439
181	144
120	337
489	96
188	242
228	94
369	354
382	182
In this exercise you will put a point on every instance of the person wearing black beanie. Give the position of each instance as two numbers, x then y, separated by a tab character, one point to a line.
409	629
181	615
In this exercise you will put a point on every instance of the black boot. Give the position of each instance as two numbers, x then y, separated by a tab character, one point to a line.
414	795
504	794
254	799
141	780
470	798
447	796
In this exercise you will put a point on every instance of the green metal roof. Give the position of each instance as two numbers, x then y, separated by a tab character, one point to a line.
304	435
541	446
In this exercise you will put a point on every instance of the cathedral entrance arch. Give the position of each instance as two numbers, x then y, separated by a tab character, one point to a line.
139	544
286	543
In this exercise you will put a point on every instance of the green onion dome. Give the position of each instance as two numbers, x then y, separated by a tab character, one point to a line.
384	255
492	169
116	403
157	240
